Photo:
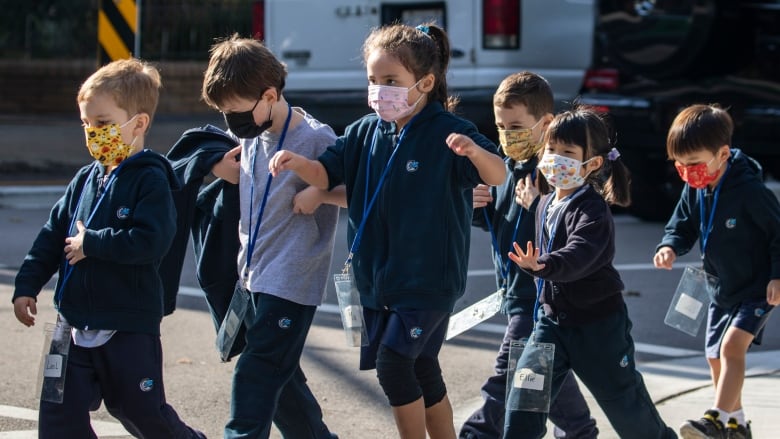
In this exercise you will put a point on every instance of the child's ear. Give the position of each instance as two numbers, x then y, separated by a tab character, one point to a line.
270	95
724	152
142	122
427	82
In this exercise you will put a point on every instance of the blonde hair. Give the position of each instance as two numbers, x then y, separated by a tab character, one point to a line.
134	85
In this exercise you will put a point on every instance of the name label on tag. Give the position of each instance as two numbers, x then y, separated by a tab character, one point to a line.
53	366
688	306
528	379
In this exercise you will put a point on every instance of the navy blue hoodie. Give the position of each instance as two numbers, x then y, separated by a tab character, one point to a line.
504	214
743	248
117	285
415	247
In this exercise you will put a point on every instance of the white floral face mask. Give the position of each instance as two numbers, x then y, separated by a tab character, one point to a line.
561	172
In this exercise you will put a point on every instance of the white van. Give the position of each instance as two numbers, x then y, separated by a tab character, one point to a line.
320	41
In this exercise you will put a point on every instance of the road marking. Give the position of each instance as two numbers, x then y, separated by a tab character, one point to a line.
103	429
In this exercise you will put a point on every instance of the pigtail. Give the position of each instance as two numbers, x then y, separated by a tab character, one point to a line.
616	188
442	41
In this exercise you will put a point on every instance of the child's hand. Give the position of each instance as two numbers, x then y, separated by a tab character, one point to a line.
481	196
773	292
460	144
25	309
74	250
229	167
528	259
526	191
664	258
307	200
285	161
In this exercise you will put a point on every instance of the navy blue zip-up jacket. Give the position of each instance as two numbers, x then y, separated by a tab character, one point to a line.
581	285
117	285
209	214
415	246
504	213
743	248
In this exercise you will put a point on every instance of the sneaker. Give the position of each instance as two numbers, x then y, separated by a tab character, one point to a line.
737	431
707	427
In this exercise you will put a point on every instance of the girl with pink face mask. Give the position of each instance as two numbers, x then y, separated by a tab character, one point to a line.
409	170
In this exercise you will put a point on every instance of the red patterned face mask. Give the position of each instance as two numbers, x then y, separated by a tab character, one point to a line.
696	175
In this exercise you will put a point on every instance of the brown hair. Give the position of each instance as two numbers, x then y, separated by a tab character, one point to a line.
134	85
528	89
422	50
699	127
585	127
240	68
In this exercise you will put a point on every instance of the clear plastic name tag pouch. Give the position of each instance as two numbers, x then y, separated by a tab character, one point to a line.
475	314
54	361
691	300
530	372
240	311
350	309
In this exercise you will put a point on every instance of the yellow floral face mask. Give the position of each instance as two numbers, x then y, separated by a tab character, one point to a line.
519	145
105	143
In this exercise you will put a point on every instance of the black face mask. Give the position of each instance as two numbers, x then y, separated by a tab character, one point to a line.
243	125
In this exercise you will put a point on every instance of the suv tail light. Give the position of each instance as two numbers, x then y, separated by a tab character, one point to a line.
258	20
602	79
501	24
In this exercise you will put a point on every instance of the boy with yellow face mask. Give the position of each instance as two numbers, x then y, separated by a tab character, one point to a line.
116	220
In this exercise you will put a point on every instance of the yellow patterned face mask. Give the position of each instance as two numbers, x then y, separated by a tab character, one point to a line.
105	143
519	144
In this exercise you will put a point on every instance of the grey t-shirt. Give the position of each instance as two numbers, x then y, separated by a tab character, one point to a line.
293	252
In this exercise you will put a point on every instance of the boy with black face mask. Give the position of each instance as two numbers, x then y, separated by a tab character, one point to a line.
284	260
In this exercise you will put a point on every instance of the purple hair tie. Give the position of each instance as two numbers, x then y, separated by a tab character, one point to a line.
423	29
613	154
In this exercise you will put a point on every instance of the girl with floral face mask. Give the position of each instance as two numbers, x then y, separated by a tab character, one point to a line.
579	307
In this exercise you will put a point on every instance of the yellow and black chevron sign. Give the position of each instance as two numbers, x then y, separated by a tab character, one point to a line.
117	29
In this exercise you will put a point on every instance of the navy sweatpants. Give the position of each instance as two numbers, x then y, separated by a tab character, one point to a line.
268	383
602	355
126	373
568	410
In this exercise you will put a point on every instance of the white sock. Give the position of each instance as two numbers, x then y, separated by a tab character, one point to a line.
723	415
739	415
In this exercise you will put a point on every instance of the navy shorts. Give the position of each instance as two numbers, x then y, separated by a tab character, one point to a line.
750	316
408	332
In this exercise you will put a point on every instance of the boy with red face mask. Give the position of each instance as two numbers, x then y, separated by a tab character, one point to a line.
727	207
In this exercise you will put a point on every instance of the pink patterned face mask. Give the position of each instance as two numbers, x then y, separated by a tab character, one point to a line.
391	103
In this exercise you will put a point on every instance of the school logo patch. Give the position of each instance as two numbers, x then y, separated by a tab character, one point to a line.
146	384
123	212
624	361
731	223
416	332
285	323
412	166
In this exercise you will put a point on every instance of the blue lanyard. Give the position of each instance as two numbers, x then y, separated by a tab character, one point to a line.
705	231
252	239
505	264
67	268
540	241
368	205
